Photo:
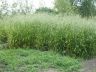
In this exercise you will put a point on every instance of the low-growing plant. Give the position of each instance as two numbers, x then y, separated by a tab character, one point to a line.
29	60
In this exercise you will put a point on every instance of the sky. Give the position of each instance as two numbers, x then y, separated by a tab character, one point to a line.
35	3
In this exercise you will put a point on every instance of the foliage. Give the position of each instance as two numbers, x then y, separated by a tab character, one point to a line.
3	37
63	6
28	60
69	35
87	9
46	10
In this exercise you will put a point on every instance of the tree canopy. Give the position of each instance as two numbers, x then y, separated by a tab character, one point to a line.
85	9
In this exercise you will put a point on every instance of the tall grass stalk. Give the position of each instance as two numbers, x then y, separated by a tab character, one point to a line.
69	35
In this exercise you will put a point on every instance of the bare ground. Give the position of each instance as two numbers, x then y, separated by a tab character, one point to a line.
89	65
49	70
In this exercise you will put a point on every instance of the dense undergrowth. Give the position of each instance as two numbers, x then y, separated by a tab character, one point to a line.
29	60
69	35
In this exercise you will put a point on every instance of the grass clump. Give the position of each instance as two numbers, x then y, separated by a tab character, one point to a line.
28	60
69	35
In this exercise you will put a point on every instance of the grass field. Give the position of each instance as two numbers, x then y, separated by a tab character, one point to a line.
29	60
53	41
68	35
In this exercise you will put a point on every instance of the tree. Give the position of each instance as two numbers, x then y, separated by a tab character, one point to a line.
87	9
63	6
4	7
14	11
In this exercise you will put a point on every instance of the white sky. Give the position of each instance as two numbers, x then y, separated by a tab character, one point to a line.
34	3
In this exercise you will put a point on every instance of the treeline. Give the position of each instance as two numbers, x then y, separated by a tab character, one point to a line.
17	7
85	8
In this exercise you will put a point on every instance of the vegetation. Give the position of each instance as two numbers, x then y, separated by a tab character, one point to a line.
68	35
63	6
28	60
46	10
86	8
56	37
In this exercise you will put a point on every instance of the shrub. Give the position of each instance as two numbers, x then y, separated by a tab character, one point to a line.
46	10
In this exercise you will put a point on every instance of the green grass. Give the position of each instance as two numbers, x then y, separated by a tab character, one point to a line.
94	70
28	60
69	35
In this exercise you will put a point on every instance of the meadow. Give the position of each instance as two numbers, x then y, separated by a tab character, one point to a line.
29	60
67	35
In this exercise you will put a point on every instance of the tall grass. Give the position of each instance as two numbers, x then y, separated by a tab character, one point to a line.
69	35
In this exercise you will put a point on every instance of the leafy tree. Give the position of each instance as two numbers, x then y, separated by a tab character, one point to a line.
4	7
87	9
63	6
14	5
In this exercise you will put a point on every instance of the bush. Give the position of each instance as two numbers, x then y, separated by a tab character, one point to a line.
46	10
69	35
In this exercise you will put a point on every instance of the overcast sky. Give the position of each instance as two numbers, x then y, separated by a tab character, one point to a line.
34	3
